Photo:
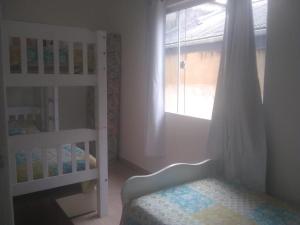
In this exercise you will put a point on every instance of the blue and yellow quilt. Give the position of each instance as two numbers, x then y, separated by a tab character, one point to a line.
37	166
209	201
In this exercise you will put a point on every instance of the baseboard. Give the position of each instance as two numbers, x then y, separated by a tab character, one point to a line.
133	166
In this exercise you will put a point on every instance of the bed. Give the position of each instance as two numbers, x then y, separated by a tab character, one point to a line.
22	122
205	199
50	58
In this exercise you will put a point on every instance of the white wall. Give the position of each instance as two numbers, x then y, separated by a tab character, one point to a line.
186	136
23	96
72	107
83	13
281	99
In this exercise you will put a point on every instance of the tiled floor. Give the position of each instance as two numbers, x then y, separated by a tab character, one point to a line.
118	173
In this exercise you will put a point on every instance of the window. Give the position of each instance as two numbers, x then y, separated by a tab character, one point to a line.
193	42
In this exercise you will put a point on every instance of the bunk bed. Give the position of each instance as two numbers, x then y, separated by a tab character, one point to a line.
38	55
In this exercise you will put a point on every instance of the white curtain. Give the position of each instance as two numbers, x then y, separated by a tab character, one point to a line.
237	133
155	74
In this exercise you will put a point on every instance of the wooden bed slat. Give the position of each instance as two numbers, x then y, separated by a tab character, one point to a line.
85	58
13	171
53	182
73	153
50	139
45	163
29	166
40	56
56	108
60	159
71	57
23	55
87	155
56	56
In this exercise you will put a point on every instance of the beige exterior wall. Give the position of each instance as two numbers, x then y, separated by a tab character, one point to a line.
197	81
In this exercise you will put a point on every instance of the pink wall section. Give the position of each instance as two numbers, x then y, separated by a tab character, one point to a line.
186	139
185	136
281	100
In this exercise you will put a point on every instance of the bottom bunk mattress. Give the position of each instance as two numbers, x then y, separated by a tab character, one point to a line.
209	201
37	166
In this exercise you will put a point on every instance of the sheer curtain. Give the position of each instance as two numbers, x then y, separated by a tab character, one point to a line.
237	133
155	77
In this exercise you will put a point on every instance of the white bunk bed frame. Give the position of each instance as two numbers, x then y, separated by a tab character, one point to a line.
30	143
18	113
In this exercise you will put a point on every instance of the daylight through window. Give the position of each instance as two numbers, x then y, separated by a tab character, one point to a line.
193	42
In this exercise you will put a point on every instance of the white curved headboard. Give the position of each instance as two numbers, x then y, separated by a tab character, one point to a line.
169	176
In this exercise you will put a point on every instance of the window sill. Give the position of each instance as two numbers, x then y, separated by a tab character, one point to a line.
186	116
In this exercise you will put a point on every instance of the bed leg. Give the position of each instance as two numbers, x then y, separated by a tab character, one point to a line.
101	125
102	201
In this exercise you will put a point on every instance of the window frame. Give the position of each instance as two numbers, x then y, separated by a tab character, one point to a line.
179	5
184	4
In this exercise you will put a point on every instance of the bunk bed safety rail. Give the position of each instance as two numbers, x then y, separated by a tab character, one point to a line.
60	157
42	55
23	113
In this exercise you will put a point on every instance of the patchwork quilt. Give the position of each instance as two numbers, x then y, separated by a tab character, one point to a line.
209	201
21	162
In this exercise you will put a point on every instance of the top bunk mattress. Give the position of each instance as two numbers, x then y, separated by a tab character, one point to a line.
209	201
